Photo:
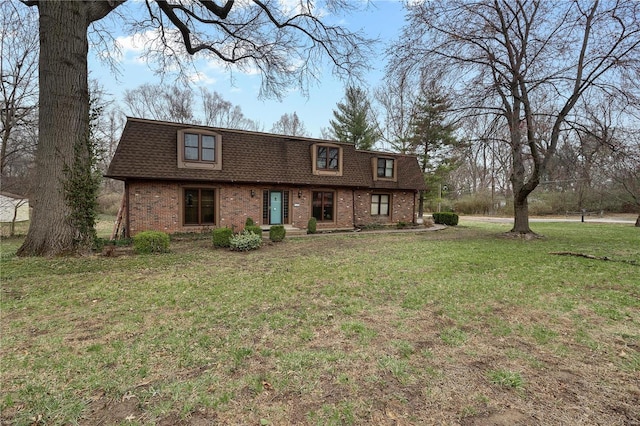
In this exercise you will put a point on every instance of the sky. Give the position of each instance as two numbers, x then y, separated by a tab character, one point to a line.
382	20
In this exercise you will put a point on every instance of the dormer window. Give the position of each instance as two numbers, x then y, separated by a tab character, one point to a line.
384	169
327	159
199	149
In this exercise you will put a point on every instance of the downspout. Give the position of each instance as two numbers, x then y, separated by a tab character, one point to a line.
353	208
126	209
415	217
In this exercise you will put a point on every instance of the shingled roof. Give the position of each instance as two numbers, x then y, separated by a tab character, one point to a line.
148	150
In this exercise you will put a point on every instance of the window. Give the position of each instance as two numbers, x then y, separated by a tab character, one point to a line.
327	159
323	206
385	168
380	205
199	149
199	206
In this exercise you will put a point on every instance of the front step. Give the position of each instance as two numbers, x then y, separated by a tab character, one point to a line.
291	230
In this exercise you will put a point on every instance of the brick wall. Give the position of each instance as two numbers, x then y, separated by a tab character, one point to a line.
235	205
158	206
153	206
402	208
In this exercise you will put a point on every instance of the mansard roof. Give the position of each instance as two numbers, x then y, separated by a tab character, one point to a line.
148	151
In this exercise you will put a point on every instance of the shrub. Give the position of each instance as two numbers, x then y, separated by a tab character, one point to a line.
98	244
245	241
446	218
311	225
255	229
478	203
249	222
151	242
222	237
277	233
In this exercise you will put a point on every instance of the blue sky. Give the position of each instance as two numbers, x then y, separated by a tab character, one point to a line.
382	19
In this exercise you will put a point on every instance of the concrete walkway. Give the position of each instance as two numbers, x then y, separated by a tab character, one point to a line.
389	230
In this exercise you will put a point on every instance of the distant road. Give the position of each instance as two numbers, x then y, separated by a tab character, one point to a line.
630	219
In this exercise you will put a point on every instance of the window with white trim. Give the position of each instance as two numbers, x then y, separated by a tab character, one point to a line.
380	204
385	168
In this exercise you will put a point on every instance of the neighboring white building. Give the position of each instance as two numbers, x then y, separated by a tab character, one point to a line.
8	204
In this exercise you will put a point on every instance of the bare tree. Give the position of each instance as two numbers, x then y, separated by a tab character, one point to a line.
527	62
161	102
218	112
397	101
19	73
286	46
625	170
175	103
291	125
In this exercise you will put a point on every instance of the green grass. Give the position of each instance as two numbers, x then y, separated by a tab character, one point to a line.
339	329
509	379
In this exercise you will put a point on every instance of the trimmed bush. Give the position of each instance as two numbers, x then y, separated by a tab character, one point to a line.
245	241
311	225
222	237
277	233
255	229
249	222
446	218
151	242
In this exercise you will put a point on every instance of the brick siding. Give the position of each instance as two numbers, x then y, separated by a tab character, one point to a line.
158	206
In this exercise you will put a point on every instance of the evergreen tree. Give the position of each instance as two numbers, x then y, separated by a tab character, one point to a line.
354	122
432	136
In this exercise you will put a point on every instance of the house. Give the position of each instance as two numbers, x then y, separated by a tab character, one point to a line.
189	178
13	207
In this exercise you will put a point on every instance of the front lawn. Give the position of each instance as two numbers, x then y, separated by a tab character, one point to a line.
458	326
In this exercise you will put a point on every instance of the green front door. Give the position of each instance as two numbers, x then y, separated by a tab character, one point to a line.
276	208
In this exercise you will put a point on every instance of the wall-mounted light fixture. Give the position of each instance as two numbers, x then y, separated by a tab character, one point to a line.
253	193
299	193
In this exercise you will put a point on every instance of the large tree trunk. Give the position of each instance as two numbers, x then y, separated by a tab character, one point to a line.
521	188
521	215
64	118
421	205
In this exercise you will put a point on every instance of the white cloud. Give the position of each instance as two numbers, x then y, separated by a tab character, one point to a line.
133	47
201	78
